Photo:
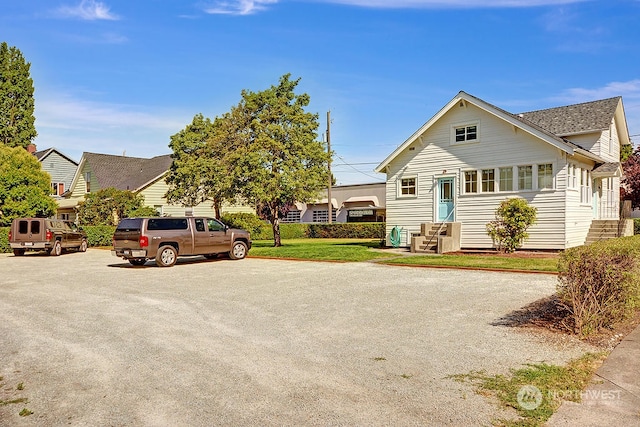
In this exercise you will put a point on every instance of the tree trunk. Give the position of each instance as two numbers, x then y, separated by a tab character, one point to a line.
275	224
216	208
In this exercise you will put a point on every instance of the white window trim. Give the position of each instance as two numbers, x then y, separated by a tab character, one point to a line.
399	194
455	126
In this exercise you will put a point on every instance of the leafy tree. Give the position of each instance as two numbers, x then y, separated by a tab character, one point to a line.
625	152
17	127
24	186
630	188
200	171
109	205
509	229
278	159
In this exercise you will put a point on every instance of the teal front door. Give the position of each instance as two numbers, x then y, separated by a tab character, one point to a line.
446	195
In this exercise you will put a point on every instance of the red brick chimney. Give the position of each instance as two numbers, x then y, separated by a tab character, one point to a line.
31	148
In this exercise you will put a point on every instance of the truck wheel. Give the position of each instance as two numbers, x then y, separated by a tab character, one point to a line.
167	256
83	246
18	252
238	251
137	261
57	249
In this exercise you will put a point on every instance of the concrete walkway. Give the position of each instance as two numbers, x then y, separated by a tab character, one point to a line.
613	397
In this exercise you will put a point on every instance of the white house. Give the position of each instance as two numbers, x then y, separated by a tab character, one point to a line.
472	155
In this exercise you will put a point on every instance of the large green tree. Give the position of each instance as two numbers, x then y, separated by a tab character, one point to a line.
199	172
109	205
278	159
17	122
24	186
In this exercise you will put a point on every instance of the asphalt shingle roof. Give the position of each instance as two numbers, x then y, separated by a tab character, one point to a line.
126	173
576	118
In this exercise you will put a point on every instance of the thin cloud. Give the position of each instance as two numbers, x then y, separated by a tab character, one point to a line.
88	10
238	7
450	4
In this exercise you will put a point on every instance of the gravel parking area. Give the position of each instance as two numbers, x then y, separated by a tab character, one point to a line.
96	341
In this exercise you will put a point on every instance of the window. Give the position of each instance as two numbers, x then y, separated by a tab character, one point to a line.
292	216
525	178
506	179
323	216
488	180
545	176
167	224
466	133
585	186
87	180
471	181
65	217
408	187
200	224
214	225
57	188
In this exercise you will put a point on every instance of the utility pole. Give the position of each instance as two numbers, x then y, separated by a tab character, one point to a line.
329	165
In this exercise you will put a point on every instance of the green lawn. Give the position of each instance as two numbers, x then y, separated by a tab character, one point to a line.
356	250
348	250
481	261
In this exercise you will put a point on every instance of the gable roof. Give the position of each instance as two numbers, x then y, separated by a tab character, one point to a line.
576	119
125	173
533	123
43	154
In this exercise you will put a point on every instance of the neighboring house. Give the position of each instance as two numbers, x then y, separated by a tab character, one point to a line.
350	203
60	166
62	169
139	175
472	155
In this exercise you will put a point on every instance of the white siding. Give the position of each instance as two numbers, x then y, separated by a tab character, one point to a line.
500	145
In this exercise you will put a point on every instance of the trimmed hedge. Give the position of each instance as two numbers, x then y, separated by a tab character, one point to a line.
600	283
4	240
99	235
261	230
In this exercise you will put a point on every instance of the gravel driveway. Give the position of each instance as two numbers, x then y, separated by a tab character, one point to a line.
96	341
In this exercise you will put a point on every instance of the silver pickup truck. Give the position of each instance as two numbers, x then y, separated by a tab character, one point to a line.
164	239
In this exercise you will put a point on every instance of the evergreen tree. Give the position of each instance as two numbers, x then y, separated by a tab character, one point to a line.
17	127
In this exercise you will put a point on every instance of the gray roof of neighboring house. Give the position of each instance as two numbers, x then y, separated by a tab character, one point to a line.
126	173
577	118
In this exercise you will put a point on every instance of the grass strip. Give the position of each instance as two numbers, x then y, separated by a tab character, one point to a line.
480	261
537	390
347	250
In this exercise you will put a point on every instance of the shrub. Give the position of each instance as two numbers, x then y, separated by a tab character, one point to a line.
636	226
99	235
600	283
4	240
247	221
509	229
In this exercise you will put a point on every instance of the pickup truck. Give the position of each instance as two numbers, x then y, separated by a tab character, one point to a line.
50	235
164	239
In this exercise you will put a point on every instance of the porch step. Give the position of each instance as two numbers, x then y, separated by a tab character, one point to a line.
603	229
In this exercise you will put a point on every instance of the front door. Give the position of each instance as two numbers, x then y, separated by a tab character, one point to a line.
446	195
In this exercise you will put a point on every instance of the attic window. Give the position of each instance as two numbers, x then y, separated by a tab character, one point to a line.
466	133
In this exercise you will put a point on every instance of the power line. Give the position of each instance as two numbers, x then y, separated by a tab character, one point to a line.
359	171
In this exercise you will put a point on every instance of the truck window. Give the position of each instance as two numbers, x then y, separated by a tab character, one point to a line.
130	224
167	224
200	224
214	225
35	227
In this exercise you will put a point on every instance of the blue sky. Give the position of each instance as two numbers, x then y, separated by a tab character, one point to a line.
119	76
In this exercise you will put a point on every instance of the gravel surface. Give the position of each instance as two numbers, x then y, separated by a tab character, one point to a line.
96	341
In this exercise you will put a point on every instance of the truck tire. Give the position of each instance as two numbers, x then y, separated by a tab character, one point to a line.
238	251
57	248
137	261
18	252
167	256
83	246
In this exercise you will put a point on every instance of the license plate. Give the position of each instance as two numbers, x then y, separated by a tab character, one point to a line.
28	243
